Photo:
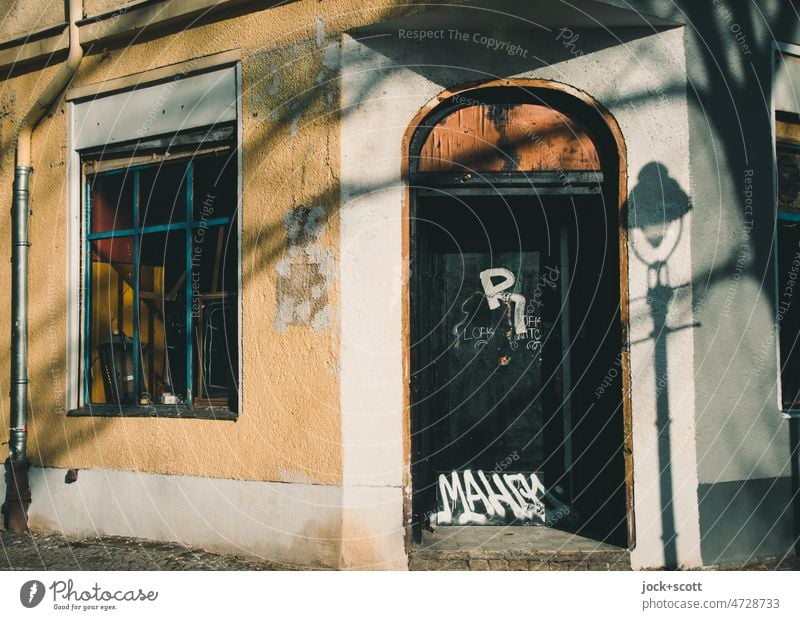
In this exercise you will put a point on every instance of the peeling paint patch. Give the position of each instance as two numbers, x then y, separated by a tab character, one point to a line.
320	31
275	82
322	319
8	103
284	268
304	226
305	272
330	50
331	56
287	475
7	107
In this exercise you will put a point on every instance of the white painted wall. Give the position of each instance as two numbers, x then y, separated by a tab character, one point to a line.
291	523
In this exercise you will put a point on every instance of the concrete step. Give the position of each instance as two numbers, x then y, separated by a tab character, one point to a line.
514	548
510	560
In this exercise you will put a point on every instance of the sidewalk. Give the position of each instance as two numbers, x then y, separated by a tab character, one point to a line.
53	552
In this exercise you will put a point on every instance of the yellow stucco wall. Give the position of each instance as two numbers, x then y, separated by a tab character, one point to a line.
290	425
18	18
99	7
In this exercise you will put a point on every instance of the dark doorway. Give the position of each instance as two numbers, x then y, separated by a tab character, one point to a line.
517	415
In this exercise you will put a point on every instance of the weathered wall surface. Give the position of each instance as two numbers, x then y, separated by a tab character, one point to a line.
290	427
92	8
743	442
321	267
279	436
386	80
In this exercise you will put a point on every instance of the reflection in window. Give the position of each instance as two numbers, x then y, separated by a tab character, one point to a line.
162	283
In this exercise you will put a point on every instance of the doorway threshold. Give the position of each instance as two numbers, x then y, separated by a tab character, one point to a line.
514	548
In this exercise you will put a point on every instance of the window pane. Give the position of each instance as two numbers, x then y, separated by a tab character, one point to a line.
215	186
789	311
788	256
789	181
214	259
111	322
111	202
216	369
162	315
215	315
165	291
162	197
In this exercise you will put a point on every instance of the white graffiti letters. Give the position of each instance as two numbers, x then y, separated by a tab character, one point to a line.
453	496
493	291
463	500
502	496
495	295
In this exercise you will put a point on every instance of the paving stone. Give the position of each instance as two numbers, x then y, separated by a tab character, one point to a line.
36	551
420	564
478	565
554	566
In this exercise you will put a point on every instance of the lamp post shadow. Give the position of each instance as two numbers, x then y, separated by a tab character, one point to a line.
657	207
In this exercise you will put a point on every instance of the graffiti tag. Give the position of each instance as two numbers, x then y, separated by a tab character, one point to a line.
467	498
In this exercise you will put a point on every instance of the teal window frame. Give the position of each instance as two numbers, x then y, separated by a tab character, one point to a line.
186	224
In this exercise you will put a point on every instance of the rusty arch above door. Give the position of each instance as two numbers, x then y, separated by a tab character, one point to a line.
507	137
520	135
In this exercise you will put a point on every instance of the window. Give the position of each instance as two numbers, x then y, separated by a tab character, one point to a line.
788	155
787	134
161	275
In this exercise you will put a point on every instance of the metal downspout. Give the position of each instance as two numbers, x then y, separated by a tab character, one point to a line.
18	493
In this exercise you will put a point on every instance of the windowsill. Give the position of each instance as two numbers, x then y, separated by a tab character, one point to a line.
154	411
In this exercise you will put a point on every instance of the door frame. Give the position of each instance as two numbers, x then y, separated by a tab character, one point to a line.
616	143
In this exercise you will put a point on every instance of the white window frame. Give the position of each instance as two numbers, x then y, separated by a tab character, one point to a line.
148	83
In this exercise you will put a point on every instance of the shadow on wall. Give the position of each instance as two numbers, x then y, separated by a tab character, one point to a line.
746	492
657	206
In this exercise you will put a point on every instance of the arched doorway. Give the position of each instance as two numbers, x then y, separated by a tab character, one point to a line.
517	307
